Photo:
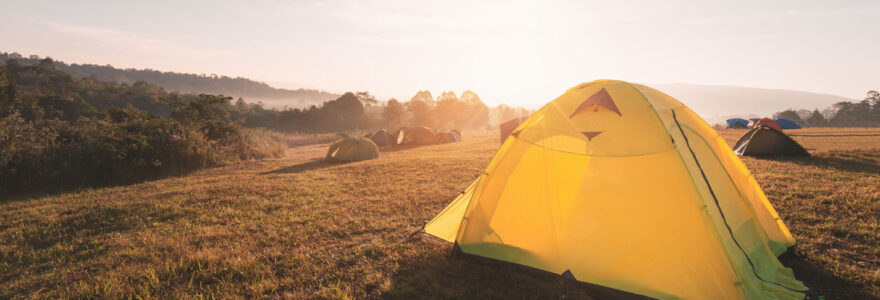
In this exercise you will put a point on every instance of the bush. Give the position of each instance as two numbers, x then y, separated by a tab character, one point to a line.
22	149
59	132
130	146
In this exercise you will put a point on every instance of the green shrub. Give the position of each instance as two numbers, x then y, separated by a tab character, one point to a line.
59	132
129	146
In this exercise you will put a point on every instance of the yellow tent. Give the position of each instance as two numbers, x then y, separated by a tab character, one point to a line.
352	149
620	185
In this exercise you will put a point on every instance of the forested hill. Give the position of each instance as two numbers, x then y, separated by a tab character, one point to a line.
250	90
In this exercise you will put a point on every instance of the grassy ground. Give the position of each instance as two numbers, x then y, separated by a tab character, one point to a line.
298	227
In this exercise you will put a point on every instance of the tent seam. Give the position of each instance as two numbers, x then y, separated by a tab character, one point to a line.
703	206
720	211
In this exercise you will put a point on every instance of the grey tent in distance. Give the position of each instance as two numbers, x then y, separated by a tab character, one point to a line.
766	141
382	138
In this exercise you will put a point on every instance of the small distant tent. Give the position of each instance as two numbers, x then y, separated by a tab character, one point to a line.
382	138
415	136
448	137
767	122
352	149
737	123
766	141
753	121
787	124
508	126
573	192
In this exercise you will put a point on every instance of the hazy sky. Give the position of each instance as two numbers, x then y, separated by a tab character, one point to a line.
521	52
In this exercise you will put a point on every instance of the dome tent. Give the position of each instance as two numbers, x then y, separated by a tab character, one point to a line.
787	124
419	135
352	149
766	141
574	191
768	123
737	123
382	138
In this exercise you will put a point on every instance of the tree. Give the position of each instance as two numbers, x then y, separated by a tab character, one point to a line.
873	97
816	119
421	112
804	114
207	113
479	112
479	116
505	113
447	96
393	113
46	64
7	92
424	96
450	112
828	113
849	113
345	113
366	98
240	104
470	97
789	114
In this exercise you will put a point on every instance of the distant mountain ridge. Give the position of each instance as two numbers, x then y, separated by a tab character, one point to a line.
252	91
716	103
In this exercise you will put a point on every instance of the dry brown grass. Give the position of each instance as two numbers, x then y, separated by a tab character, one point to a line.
818	140
302	228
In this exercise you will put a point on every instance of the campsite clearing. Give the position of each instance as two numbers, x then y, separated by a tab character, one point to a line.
301	227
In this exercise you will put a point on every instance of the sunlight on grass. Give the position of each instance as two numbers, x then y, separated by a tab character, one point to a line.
297	228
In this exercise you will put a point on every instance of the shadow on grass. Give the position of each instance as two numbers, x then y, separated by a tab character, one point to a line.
822	281
396	148
305	166
852	161
18	196
440	275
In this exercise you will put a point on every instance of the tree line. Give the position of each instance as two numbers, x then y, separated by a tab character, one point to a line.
358	110
864	113
361	110
184	82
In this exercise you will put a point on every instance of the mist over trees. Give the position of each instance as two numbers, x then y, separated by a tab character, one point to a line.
865	113
144	88
505	112
183	82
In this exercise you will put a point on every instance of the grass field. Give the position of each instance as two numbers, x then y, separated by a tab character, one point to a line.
298	227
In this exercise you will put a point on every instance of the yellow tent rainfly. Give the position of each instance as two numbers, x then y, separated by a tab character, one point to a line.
352	149
622	186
